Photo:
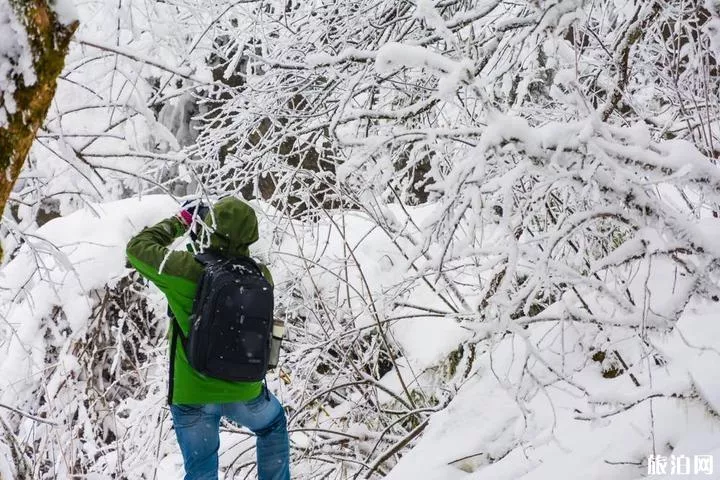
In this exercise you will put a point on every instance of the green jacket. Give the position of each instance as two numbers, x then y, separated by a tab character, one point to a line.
176	274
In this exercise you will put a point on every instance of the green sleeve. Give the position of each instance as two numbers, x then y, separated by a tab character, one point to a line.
149	254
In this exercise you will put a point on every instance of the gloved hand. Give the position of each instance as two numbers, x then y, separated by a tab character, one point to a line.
191	210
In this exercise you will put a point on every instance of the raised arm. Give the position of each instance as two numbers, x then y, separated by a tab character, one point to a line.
149	254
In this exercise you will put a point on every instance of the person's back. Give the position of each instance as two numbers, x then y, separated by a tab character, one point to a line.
198	402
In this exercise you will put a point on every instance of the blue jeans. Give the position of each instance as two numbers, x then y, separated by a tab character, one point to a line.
198	432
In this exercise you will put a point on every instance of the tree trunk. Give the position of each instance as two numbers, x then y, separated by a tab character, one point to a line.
48	39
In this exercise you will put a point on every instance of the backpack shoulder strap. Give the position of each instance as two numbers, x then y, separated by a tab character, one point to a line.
251	262
209	258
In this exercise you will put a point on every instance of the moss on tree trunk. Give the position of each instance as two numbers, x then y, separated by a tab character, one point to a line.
49	40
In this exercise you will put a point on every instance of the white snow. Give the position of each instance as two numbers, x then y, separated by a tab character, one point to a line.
65	10
712	26
425	9
16	60
452	73
60	265
488	259
394	55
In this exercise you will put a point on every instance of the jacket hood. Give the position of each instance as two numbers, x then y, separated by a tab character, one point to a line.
234	227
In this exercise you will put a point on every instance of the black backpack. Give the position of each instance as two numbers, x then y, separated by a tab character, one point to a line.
231	320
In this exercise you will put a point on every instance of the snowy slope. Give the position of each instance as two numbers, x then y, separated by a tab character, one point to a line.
567	433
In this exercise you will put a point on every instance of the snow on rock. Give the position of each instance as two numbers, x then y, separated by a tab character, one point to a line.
428	340
16	60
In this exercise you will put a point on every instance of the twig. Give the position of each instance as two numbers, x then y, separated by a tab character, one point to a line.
129	54
29	415
630	405
397	447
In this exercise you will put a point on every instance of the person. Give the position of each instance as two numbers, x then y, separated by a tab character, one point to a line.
198	402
